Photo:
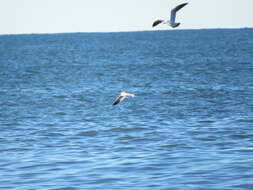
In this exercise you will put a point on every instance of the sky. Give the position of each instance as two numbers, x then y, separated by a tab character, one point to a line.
60	16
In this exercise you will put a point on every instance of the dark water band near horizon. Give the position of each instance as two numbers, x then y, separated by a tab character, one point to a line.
190	125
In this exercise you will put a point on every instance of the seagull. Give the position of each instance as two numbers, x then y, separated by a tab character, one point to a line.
172	20
121	97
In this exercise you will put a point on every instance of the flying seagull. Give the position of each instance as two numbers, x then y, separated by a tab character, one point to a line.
172	20
121	97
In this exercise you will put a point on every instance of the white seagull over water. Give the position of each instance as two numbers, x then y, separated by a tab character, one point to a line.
172	20
121	97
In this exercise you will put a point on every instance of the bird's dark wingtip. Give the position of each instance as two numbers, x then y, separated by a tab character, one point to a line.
156	23
116	102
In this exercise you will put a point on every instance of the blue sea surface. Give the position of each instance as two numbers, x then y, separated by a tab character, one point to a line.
190	125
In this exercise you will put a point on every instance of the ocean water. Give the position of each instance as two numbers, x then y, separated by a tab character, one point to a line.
190	125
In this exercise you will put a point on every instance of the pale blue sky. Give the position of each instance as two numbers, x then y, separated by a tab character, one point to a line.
54	16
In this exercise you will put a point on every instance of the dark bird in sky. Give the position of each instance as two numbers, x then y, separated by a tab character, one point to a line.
172	22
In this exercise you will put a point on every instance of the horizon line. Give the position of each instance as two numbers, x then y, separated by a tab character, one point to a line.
123	31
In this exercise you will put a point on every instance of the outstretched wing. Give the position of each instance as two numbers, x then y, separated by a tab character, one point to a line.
118	100
129	94
174	11
157	22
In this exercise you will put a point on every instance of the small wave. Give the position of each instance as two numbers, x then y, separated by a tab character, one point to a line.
89	133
